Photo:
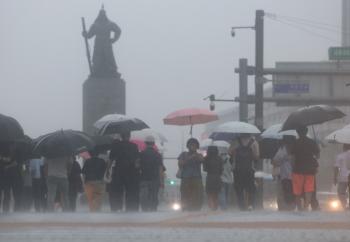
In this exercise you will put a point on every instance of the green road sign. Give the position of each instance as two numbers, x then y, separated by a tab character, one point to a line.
339	53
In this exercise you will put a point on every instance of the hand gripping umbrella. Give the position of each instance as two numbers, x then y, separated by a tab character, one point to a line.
190	116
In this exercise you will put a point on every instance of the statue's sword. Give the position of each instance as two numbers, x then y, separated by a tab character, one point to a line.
87	45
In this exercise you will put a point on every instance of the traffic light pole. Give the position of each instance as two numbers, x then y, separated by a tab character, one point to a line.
259	93
243	90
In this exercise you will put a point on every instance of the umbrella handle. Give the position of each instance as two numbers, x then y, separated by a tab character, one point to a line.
191	129
313	131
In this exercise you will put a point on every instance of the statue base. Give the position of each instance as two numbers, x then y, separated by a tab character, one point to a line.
101	96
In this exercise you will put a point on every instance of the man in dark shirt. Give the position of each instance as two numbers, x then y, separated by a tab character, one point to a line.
306	152
93	172
151	167
125	175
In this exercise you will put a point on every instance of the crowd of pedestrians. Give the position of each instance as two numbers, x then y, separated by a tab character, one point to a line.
133	178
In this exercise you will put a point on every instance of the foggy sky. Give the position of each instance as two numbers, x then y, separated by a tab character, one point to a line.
172	54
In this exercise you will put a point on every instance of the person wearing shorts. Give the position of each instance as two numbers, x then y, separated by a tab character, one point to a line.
306	153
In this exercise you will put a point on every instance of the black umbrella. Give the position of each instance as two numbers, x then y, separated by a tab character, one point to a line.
10	129
62	142
118	127
311	115
24	148
102	143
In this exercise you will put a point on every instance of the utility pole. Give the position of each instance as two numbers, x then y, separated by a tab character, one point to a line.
259	68
243	90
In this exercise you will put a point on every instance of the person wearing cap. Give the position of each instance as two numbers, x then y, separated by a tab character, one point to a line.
151	168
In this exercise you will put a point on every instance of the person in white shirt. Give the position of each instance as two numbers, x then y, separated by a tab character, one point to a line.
341	174
227	180
283	160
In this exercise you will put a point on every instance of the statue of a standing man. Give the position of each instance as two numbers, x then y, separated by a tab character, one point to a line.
103	62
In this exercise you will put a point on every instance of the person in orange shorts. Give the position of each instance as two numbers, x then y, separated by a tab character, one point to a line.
306	153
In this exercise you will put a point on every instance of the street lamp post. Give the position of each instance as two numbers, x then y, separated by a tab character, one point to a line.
259	69
259	84
259	65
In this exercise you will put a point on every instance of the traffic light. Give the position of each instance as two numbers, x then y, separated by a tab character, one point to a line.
171	182
212	104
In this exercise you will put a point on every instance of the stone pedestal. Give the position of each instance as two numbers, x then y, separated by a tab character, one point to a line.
101	96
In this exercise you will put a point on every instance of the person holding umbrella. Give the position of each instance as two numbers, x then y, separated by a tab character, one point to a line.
245	155
125	174
57	169
306	153
213	165
12	179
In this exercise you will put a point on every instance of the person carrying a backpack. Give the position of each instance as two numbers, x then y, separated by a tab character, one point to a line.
245	154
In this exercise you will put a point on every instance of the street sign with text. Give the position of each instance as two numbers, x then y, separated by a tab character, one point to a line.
339	53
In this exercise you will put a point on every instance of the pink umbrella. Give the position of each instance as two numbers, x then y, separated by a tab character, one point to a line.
190	116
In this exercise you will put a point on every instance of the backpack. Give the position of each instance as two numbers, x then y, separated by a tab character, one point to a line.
244	157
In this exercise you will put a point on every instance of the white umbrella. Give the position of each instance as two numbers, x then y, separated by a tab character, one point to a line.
237	128
218	143
274	132
142	134
110	118
341	136
230	130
